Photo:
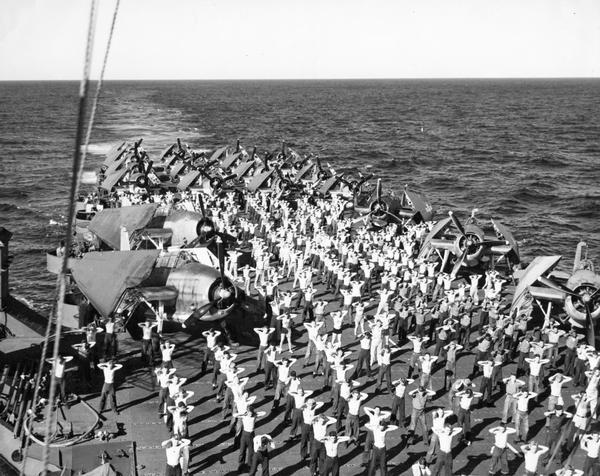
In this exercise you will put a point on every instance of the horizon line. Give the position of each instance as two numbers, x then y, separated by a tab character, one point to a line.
436	78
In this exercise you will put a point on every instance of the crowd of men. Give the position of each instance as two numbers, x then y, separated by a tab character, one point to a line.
355	306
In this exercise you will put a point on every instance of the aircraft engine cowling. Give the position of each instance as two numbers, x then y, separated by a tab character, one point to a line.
585	283
470	241
201	290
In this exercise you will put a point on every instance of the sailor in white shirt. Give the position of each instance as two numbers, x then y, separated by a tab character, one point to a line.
385	368
175	453
293	385
307	417
499	449
352	420
376	417
591	445
464	411
417	349
108	389
163	376
166	350
427	362
512	387
180	413
300	397
312	329
283	374
421	468
532	452
110	339
444	457
363	356
438	422
211	345
235	395
556	382
262	445
246	440
522	414
58	368
331	465
419	401
270	368
147	354
535	368
317	448
379	456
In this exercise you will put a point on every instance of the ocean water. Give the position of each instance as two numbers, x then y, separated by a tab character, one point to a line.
525	152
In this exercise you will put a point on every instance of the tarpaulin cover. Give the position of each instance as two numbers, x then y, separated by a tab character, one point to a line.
107	224
304	172
229	160
328	185
175	169
259	180
217	153
103	470
243	168
188	179
111	180
103	277
116	152
112	168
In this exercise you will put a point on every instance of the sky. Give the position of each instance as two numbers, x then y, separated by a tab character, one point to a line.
304	39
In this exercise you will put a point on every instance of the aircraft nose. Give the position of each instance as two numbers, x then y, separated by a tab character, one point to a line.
224	293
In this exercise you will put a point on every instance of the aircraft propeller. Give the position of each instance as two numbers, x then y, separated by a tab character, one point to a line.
224	290
586	297
469	242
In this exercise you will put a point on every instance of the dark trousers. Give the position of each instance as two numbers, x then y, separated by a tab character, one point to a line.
331	466
209	355
570	356
499	458
246	447
162	399
317	455
173	470
147	356
85	371
486	389
385	371
364	359
110	346
378	460
262	458
342	409
60	391
399	410
108	391
296	421
306	435
464	420
590	467
443	462
269	373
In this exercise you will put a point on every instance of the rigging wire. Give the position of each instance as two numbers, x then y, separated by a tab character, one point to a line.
61	280
97	94
79	161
